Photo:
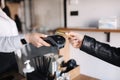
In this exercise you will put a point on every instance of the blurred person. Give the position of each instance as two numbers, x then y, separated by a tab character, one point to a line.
8	29
93	47
6	9
18	23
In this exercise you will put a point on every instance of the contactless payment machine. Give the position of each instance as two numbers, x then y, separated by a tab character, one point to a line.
56	41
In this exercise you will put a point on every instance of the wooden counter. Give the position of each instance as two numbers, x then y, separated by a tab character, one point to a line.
84	77
90	29
76	75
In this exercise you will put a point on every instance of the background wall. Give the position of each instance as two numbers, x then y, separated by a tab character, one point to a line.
90	11
48	14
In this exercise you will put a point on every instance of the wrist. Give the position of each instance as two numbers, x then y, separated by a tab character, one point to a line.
22	39
81	40
81	37
27	38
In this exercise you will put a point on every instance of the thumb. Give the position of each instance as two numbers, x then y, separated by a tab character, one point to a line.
69	34
43	35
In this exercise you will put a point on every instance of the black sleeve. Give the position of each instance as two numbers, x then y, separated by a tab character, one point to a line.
101	50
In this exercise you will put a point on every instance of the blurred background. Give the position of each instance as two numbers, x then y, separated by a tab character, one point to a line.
36	15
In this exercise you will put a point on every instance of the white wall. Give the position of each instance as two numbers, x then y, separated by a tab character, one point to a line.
90	11
48	13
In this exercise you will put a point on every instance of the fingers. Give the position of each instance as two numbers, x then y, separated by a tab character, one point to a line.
42	35
37	39
70	34
75	39
42	42
75	43
38	45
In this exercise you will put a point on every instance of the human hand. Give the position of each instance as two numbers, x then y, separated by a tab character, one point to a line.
75	39
36	39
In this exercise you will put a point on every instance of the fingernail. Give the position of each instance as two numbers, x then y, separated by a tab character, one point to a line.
45	35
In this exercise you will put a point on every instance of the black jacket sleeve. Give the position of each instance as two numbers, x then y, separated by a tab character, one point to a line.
101	50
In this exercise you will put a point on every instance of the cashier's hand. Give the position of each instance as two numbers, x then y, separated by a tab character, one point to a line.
75	39
36	39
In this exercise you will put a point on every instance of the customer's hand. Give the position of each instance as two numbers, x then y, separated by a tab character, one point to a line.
36	39
75	39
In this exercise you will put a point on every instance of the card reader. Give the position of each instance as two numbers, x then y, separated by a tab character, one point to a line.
55	41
